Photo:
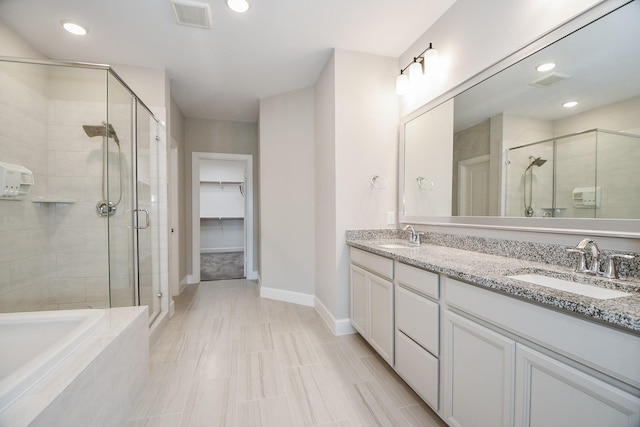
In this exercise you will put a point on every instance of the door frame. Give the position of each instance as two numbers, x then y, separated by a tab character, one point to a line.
195	209
173	217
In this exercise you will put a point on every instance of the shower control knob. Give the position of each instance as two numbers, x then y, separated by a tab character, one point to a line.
105	208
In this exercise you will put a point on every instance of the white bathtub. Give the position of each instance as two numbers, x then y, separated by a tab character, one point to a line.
33	343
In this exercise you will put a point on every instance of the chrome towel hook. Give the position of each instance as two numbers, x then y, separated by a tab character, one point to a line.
378	181
425	183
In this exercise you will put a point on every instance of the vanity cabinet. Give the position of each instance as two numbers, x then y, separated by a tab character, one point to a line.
417	334
550	392
371	300
509	362
478	374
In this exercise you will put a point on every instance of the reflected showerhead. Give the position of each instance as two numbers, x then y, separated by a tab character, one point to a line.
535	161
538	162
101	130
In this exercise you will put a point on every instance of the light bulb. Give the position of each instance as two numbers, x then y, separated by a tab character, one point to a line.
239	6
430	59
546	67
402	84
570	104
415	71
74	28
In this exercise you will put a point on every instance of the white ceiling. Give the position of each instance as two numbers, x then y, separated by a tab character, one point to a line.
278	46
602	60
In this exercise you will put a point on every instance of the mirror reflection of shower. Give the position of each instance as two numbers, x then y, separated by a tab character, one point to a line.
106	207
533	161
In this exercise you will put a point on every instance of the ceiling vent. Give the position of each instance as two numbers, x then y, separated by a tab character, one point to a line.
549	79
192	14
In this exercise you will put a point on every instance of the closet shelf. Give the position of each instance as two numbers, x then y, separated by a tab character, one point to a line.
221	217
222	182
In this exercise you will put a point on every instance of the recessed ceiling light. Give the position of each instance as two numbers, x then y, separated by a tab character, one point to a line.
75	29
239	6
570	104
546	67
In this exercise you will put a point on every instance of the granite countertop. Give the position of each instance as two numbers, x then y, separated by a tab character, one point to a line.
490	271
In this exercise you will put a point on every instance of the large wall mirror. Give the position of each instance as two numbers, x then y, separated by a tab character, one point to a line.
513	149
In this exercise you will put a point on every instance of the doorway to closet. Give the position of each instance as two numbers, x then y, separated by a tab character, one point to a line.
222	216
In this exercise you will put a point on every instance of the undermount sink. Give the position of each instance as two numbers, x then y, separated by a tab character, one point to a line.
568	286
395	246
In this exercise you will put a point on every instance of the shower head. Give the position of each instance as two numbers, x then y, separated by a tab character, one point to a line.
535	161
101	130
538	161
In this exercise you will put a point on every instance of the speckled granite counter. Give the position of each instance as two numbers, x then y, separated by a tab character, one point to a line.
490	271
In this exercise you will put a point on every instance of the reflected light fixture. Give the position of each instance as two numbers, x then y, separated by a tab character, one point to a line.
420	65
240	6
73	28
546	67
570	104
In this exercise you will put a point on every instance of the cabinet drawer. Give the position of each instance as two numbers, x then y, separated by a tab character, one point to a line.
422	281
417	317
374	263
418	368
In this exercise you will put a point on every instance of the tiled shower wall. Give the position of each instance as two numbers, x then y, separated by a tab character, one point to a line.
53	255
25	258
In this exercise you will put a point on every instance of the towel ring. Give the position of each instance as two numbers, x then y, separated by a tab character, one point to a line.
378	181
425	183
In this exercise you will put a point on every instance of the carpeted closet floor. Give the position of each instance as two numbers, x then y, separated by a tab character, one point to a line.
221	266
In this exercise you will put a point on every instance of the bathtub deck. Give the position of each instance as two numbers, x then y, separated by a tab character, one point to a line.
96	385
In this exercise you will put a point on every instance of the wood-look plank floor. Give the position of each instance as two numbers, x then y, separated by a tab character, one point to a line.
231	358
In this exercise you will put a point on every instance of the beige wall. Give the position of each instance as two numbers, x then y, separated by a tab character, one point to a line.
13	45
325	184
287	192
216	136
364	143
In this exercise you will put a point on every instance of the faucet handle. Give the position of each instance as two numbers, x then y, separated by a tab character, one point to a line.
581	266
612	272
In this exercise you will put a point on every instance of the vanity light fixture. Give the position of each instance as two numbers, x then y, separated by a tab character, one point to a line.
548	66
402	83
240	6
73	28
427	59
570	104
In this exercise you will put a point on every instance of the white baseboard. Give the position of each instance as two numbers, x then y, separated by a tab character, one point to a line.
220	250
172	308
191	280
337	327
287	296
252	275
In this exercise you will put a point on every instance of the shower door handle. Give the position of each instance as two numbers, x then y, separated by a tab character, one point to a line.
146	216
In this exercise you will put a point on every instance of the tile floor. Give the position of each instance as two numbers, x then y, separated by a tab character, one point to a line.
230	358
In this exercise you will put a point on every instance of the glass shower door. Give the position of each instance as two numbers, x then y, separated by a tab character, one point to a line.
146	215
120	164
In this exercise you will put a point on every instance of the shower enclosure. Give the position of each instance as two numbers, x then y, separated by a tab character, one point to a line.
88	231
590	174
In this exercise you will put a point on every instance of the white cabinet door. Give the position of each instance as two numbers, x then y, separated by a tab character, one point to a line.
381	316
359	304
478	374
551	393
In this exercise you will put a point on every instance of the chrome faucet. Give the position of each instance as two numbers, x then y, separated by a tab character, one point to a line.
594	267
589	246
414	237
612	272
